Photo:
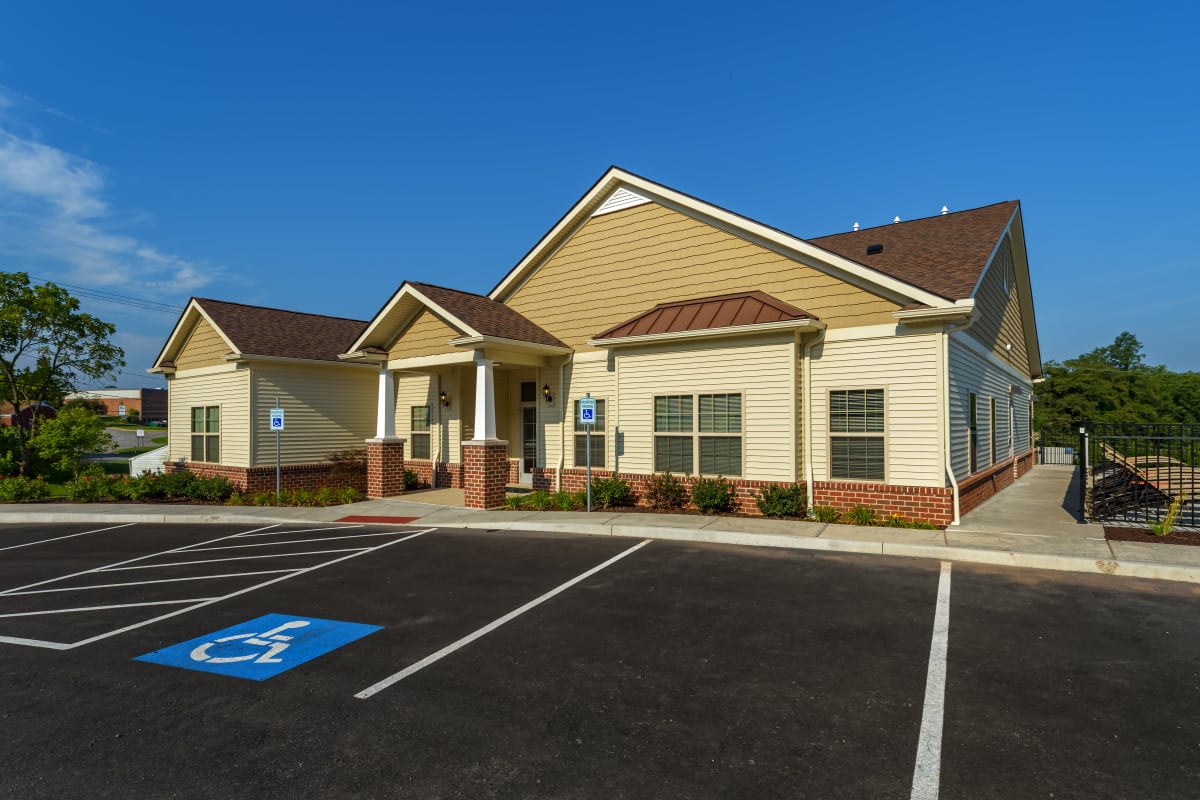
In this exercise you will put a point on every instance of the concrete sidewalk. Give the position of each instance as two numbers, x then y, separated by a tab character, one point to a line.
1017	528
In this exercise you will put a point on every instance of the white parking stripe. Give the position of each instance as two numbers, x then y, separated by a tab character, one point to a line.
136	625
486	629
252	534
34	643
293	541
233	558
927	774
156	580
106	608
70	536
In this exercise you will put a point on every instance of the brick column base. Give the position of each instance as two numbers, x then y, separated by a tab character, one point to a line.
485	472
385	467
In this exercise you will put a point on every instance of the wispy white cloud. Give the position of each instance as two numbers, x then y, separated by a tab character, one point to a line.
55	215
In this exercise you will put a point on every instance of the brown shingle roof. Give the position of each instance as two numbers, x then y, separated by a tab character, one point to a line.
722	311
486	316
259	331
943	254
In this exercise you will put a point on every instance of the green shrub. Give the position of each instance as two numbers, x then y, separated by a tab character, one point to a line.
20	489
781	501
147	486
210	490
713	495
860	515
264	499
538	501
513	502
236	499
89	488
665	492
175	484
569	501
1167	524
610	493
411	480
825	514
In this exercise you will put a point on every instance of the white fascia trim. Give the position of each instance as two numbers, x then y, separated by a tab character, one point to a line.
678	201
801	325
477	341
243	358
862	332
418	363
960	310
172	346
405	291
967	343
363	357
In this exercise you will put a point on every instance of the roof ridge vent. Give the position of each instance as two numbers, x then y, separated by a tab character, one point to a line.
945	211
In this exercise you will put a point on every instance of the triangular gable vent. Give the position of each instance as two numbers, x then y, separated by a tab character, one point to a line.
621	198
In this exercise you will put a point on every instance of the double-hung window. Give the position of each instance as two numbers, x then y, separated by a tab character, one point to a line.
581	437
206	434
704	425
856	435
419	431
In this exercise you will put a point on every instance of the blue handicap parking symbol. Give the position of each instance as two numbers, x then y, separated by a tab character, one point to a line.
261	648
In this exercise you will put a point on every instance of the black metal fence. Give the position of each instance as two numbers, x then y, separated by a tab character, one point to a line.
1057	444
1138	474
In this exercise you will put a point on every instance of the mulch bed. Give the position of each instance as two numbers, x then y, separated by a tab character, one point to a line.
1146	535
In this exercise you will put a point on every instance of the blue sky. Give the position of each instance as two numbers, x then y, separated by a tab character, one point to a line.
312	156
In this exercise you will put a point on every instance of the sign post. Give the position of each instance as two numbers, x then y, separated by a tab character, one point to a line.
587	417
277	426
141	437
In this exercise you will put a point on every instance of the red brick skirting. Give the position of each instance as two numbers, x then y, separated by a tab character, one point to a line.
449	476
914	503
973	491
485	473
262	479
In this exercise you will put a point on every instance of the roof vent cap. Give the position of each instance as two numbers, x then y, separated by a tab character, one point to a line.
897	219
855	226
945	211
874	249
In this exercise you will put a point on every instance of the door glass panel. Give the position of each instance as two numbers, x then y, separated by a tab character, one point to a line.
529	437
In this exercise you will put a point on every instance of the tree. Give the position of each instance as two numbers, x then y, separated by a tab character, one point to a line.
74	433
46	346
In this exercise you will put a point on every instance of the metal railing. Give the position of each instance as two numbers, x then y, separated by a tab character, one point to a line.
1138	473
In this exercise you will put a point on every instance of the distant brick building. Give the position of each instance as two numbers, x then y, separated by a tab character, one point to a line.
150	404
9	415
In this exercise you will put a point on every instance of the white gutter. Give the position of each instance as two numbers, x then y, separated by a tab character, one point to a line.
808	472
803	325
944	410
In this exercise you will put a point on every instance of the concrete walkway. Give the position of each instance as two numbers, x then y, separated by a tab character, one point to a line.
1027	525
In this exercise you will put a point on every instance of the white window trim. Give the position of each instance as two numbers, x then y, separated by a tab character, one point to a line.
830	434
696	434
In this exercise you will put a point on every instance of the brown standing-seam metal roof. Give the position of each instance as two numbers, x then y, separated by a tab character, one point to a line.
945	254
259	331
486	316
722	311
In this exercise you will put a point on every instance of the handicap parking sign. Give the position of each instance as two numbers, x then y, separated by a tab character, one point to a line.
261	648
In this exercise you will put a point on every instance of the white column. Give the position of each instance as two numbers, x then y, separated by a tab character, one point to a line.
385	419
485	401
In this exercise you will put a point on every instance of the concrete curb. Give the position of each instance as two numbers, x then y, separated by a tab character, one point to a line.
819	541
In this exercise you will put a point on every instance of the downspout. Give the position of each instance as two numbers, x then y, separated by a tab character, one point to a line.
944	403
562	425
807	412
437	453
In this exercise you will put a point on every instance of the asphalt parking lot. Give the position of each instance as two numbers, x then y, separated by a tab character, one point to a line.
499	664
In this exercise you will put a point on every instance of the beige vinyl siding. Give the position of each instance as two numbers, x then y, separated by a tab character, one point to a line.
998	322
445	424
327	409
759	369
204	347
228	389
425	336
972	372
906	368
619	265
599	378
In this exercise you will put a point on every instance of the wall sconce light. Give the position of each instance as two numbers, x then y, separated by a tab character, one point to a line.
546	394
445	398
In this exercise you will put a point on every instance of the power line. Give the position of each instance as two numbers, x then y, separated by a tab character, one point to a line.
112	297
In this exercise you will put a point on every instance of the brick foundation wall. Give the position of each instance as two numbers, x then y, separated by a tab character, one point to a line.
385	467
575	480
975	490
914	503
485	473
514	470
449	476
262	479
